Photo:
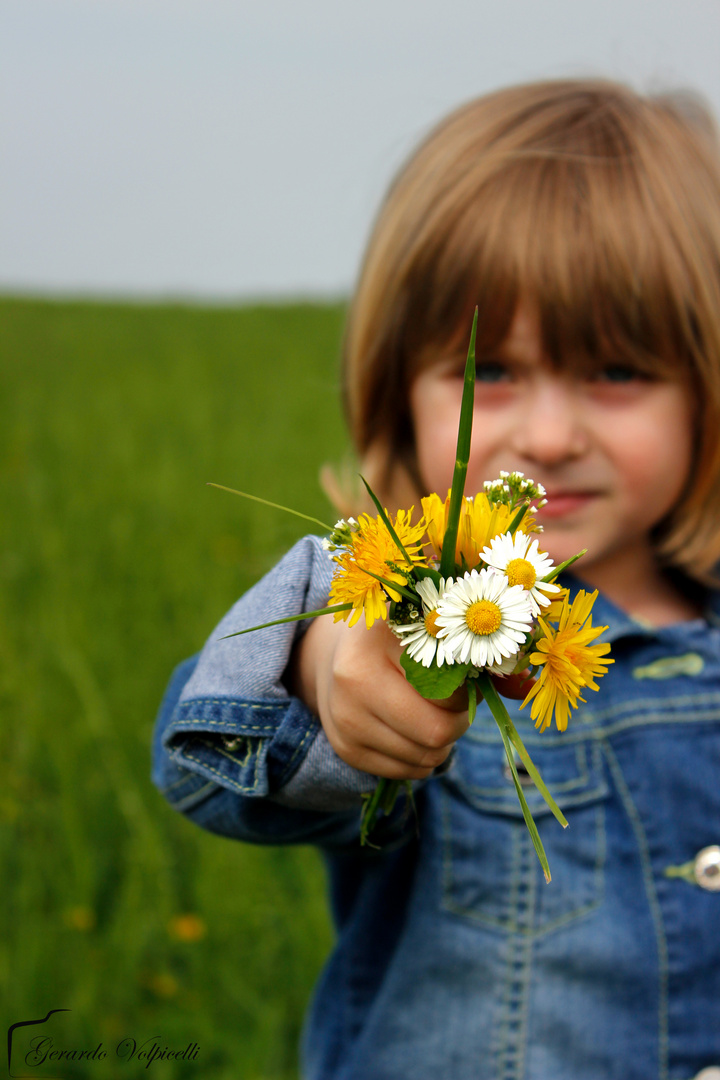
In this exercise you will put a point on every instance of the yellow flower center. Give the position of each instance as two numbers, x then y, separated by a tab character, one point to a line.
521	572
483	617
431	623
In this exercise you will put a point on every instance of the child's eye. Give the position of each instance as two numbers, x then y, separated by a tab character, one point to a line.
618	373
490	371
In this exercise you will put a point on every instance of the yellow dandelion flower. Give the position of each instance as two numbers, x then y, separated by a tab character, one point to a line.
163	985
553	613
435	512
187	927
80	918
569	662
373	548
480	521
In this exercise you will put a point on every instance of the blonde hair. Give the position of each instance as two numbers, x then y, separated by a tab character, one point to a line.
599	205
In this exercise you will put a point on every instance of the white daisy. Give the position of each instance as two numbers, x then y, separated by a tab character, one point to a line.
483	619
519	558
505	667
422	641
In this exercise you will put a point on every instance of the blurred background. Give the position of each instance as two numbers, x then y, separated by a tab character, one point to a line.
185	192
225	149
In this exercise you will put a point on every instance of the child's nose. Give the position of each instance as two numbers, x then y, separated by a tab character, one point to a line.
550	428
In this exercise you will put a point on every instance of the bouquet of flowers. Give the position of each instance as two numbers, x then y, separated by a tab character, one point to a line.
470	595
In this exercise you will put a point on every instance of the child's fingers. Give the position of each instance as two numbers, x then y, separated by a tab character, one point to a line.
377	764
372	716
457	702
428	726
386	739
514	686
385	753
401	709
393	720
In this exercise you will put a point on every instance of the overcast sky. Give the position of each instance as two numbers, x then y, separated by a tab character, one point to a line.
224	149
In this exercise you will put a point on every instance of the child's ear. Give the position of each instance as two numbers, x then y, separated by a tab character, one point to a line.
390	480
344	488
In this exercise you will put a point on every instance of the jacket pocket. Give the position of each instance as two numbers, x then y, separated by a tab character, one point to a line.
491	873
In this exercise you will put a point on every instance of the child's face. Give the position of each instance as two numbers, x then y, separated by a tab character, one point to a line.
613	451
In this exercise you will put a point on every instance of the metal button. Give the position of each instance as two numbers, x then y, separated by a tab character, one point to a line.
707	875
232	742
711	1073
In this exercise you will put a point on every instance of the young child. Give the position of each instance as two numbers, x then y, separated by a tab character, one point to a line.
584	221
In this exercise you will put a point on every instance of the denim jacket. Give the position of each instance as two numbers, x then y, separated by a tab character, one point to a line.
453	957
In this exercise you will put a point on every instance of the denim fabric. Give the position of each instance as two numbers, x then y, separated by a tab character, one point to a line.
453	957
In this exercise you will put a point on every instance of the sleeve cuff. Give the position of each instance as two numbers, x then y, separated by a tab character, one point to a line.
251	748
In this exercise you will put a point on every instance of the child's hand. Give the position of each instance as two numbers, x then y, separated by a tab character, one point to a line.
352	680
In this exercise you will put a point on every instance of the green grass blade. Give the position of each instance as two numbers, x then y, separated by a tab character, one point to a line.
371	805
533	772
386	520
517	520
493	698
564	565
390	795
529	821
472	699
503	721
291	618
462	457
275	506
392	585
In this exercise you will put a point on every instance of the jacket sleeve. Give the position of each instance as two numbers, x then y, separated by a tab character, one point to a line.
234	751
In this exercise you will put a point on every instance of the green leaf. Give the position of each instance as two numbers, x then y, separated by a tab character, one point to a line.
436	683
427	572
291	618
275	506
462	457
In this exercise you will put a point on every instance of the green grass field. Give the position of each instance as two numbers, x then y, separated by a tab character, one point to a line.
116	561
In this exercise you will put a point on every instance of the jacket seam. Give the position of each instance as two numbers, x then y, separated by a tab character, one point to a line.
234	701
194	797
654	904
180	727
602	733
287	772
223	780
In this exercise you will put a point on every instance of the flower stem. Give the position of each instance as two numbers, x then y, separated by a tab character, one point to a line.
505	724
383	799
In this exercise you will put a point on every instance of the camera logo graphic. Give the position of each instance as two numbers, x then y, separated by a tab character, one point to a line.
11	1030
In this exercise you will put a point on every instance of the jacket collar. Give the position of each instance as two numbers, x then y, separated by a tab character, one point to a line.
620	624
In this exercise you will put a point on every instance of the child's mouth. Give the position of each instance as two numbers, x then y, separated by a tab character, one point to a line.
561	503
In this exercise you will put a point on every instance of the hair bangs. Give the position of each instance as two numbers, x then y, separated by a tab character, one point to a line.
599	207
574	235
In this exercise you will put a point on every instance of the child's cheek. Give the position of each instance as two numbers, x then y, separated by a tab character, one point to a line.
435	406
655	452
